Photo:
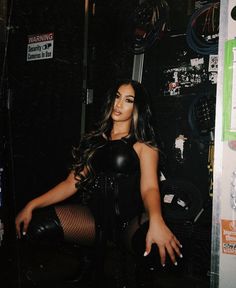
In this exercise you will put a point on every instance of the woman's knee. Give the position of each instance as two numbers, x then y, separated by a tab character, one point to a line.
45	226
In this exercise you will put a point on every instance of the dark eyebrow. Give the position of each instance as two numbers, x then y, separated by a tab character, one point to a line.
125	95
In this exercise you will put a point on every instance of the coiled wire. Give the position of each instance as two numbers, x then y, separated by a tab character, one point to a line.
203	29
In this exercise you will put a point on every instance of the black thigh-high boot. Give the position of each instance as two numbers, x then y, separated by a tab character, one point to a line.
44	256
45	226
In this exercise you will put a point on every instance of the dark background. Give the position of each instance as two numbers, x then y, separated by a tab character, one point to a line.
42	120
46	96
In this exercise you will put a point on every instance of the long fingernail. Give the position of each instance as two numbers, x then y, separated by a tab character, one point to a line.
145	254
23	233
163	265
181	256
175	263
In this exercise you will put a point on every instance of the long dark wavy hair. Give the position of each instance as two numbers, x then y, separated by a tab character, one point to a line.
141	128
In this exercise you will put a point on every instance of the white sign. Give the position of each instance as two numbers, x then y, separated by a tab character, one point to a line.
40	47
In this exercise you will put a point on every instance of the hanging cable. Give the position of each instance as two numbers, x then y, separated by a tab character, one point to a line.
149	20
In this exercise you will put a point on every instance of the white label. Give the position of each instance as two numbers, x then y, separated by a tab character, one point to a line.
168	198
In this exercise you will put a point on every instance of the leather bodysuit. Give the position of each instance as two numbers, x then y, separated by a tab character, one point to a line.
116	197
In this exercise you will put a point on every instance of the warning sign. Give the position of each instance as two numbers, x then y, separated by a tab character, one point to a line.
228	236
40	47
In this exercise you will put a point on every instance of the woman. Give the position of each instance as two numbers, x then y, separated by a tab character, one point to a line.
115	173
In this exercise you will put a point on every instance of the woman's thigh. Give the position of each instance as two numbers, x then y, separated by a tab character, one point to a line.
77	222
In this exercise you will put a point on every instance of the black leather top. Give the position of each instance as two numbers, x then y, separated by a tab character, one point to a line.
116	156
116	187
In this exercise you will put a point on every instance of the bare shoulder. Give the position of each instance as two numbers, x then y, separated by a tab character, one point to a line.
144	149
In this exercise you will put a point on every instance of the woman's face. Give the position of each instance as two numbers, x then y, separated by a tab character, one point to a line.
124	103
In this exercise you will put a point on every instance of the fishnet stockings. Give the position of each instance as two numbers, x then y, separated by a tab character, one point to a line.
77	223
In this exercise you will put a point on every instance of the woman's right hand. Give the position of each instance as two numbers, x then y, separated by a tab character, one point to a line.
22	220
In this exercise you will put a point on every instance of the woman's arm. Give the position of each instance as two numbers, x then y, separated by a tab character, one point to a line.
60	192
158	233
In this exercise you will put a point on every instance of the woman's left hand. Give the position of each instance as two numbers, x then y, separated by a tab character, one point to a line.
159	234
